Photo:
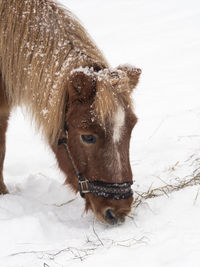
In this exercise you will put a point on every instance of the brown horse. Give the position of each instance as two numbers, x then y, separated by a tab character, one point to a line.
50	65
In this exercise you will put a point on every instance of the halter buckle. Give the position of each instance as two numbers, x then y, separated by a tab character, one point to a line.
83	187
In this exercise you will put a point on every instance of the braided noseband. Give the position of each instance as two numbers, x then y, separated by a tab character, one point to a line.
97	188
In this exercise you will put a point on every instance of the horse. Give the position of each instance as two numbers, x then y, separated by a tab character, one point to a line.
50	65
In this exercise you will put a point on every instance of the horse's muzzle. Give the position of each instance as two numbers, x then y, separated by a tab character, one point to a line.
112	218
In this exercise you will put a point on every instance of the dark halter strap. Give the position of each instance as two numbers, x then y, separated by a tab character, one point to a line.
97	188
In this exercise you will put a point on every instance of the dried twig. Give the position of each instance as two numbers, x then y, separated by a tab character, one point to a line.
77	253
131	242
65	203
167	189
197	194
97	234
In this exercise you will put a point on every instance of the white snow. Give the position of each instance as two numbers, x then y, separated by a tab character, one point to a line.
85	70
41	226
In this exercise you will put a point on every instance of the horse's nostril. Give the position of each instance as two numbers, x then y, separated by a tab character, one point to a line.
122	218
110	217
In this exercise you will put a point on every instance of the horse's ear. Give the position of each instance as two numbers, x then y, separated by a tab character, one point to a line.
132	73
81	86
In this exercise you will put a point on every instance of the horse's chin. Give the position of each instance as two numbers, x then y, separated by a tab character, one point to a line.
108	211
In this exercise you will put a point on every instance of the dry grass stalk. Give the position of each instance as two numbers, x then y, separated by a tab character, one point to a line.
80	254
194	179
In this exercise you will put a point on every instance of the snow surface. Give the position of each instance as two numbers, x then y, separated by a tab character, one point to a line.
43	224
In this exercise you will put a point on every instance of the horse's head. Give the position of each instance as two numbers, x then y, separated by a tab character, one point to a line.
99	122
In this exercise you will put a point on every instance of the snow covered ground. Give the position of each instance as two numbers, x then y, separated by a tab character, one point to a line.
43	224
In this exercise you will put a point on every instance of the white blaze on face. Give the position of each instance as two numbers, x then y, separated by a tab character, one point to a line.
119	119
118	124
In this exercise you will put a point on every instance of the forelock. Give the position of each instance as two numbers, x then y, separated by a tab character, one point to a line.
112	91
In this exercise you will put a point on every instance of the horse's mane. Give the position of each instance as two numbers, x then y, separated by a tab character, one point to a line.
40	44
112	91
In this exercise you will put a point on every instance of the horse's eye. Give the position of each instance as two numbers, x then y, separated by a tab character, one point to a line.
89	139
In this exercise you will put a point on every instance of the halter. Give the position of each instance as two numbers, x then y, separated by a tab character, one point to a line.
97	188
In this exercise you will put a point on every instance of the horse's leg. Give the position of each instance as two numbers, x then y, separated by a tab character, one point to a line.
4	115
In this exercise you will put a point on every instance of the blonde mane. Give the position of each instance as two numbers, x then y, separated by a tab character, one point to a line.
40	44
112	91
